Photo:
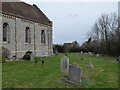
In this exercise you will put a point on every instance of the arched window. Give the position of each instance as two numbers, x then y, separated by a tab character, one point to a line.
27	35
6	32
43	37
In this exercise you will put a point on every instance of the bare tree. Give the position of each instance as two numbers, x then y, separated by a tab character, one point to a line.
105	30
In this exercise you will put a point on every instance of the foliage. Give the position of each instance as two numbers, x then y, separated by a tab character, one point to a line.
37	58
27	55
59	48
77	49
3	59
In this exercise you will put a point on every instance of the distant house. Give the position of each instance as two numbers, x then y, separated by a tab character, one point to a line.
25	27
73	44
68	44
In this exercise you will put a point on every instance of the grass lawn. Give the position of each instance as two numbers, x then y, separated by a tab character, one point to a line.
0	72
24	74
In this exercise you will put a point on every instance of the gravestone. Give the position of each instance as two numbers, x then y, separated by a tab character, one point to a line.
86	53
74	74
32	57
106	59
56	53
90	65
65	64
97	55
90	54
81	52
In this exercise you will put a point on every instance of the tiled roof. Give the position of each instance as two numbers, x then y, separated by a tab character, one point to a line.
24	10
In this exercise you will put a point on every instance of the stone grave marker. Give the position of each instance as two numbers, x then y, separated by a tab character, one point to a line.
81	52
74	74
65	64
106	59
86	53
56	53
32	57
90	54
97	55
90	65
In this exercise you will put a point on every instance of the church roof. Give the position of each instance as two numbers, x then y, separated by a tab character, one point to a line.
26	11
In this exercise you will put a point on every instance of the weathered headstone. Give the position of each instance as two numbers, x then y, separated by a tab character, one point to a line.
90	65
90	54
74	74
32	57
97	55
56	53
81	52
65	64
106	59
86	53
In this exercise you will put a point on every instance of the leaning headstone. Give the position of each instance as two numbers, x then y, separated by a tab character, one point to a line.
74	74
32	57
65	64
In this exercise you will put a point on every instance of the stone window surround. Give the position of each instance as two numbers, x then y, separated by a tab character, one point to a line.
28	37
25	20
7	33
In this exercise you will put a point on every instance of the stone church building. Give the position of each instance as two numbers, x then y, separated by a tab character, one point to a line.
25	28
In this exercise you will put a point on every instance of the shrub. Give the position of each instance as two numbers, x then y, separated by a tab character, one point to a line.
37	58
27	55
0	60
3	59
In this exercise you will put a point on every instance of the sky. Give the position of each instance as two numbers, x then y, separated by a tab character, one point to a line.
73	20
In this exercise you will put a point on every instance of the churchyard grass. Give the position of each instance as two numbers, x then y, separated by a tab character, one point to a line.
24	74
0	72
